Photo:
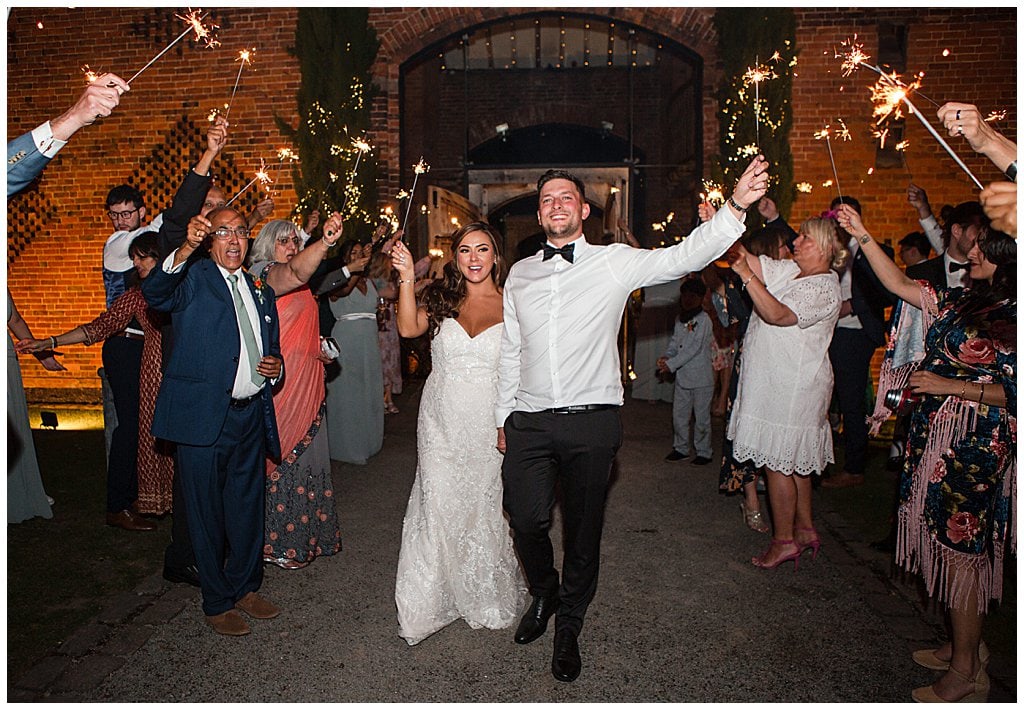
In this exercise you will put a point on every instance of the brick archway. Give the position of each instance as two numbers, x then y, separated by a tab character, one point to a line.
405	33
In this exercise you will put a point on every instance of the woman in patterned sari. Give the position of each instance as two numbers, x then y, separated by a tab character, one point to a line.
301	522
959	475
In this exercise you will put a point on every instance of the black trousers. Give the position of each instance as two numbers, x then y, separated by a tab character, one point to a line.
122	363
574	452
850	352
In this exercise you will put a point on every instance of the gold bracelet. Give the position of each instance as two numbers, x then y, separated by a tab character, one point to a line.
749	279
963	390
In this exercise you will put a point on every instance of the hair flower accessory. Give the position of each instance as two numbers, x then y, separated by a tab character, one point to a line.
830	214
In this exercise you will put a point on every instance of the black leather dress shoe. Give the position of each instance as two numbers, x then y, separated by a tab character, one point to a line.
182	575
565	662
535	622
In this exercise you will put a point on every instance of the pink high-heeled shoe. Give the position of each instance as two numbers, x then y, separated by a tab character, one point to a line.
814	544
795	556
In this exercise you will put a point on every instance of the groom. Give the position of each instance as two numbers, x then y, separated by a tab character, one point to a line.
559	390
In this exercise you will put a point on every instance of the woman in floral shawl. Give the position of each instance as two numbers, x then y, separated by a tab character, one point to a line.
959	475
301	522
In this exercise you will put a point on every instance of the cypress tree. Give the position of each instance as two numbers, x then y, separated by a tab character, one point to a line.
749	38
335	48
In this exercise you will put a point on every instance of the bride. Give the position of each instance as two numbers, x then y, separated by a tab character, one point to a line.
457	559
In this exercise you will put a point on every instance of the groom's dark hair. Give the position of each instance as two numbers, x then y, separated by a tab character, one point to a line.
562	175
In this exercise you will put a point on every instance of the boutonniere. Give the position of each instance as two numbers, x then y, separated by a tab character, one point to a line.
690	326
259	284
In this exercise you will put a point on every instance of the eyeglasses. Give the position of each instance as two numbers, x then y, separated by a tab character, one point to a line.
122	215
285	241
227	232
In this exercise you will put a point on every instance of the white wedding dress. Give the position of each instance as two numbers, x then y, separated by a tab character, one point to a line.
457	559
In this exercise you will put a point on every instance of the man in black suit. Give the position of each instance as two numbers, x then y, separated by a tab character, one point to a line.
860	330
215	403
964	224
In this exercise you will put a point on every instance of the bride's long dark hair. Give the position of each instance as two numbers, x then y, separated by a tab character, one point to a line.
443	298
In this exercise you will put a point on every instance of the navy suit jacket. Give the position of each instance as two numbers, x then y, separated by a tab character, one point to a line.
196	391
24	163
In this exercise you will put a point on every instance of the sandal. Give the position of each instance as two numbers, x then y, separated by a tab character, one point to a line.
753	518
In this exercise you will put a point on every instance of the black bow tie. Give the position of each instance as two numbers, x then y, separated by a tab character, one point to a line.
957	266
565	252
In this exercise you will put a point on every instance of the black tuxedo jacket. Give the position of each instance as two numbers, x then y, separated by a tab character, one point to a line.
933	271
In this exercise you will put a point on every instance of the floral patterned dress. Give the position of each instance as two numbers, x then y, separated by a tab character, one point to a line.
301	521
959	475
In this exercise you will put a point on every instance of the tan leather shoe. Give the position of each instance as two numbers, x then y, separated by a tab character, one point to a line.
257	607
844	479
230	623
127	520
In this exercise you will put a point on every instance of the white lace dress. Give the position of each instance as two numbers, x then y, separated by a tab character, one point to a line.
457	559
780	417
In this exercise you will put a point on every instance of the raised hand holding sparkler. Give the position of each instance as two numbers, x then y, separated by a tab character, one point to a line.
98	100
417	169
244	57
965	120
194	20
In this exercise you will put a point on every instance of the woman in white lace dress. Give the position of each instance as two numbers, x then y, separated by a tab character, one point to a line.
780	417
457	559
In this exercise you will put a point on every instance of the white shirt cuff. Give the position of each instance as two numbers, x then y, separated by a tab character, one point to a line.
344	270
168	265
43	137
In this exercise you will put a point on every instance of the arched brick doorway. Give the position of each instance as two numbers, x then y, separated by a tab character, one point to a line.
631	80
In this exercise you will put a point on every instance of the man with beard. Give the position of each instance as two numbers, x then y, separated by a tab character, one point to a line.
559	389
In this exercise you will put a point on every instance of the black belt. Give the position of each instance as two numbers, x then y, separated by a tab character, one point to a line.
242	403
579	408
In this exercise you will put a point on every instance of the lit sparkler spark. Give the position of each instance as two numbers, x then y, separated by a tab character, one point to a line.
889	94
402	194
244	57
775	57
996	116
261	176
758	73
827	183
881	135
804	187
713	194
827	133
194	20
91	76
334	177
361	145
902	146
417	169
853	57
288	154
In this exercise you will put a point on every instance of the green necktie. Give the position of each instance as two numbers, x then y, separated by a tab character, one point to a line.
247	335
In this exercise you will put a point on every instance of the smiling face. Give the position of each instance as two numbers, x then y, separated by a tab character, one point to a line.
562	211
228	251
475	256
981	268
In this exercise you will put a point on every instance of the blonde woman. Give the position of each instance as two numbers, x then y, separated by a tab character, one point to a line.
779	420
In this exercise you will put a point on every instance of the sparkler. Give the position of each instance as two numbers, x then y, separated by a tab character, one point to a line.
90	75
244	57
362	147
891	91
195	24
755	75
712	194
261	175
417	169
842	134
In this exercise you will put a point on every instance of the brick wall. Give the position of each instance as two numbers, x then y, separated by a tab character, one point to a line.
56	280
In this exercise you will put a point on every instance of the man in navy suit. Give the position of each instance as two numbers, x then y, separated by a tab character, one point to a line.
30	153
215	402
